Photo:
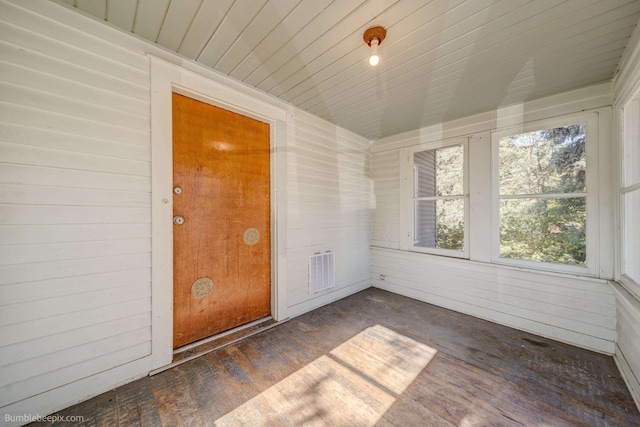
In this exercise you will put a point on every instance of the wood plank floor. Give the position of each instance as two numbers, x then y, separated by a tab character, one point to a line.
376	358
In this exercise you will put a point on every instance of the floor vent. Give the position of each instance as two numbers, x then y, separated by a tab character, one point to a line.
322	273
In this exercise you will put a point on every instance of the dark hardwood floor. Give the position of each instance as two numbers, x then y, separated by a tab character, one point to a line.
376	358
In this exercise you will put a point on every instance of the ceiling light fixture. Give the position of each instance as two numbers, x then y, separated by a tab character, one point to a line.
373	37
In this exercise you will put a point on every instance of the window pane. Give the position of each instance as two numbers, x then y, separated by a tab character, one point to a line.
546	230
545	161
632	235
440	224
439	172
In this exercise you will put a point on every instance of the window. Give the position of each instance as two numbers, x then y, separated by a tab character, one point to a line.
438	200
528	197
542	196
630	193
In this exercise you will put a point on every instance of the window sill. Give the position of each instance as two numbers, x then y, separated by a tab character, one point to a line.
630	286
440	252
451	261
573	270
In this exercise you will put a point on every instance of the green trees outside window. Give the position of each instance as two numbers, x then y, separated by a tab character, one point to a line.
542	190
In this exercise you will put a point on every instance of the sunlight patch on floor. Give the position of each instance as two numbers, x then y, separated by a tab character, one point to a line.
355	384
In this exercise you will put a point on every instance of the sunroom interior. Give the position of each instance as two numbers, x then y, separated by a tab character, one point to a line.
488	165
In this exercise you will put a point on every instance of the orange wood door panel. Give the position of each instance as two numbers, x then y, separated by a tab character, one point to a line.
221	164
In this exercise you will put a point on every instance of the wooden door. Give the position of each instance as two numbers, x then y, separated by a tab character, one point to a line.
221	250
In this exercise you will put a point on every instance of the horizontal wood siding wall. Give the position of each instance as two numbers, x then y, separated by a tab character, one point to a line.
74	205
572	310
628	339
328	205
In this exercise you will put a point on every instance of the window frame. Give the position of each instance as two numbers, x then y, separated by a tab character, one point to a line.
590	120
407	198
630	133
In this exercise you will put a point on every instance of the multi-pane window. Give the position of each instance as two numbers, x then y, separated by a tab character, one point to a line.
542	195
439	200
532	199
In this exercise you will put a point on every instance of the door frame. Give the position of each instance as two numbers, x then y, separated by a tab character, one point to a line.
207	87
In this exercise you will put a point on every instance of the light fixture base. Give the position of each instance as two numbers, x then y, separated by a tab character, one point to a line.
376	32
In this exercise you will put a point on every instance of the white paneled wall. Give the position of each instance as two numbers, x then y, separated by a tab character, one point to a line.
328	198
75	206
573	310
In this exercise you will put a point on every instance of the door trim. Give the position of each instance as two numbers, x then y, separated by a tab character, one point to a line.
167	78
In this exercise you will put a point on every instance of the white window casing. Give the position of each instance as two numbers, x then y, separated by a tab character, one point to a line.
590	266
408	212
491	221
630	197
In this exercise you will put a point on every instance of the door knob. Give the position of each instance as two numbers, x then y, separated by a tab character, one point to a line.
178	220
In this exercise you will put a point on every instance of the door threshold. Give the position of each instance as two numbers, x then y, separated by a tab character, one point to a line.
203	341
207	345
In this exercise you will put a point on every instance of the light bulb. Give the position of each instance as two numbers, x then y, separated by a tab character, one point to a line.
374	59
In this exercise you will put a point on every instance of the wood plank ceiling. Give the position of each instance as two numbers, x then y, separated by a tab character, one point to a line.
441	60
